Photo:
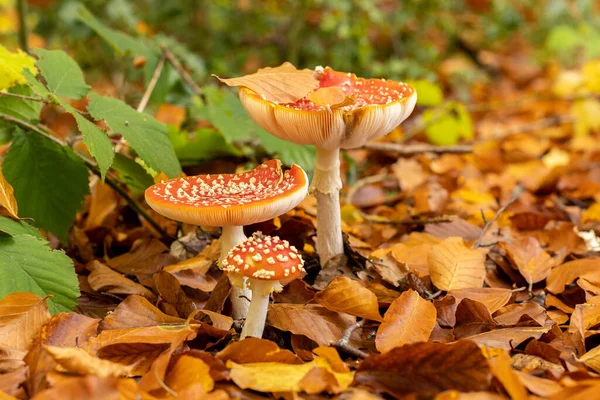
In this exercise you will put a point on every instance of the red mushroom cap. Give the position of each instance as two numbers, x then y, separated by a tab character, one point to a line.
379	106
264	258
230	199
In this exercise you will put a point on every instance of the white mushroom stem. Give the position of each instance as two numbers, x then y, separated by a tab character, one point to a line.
232	235
257	314
326	187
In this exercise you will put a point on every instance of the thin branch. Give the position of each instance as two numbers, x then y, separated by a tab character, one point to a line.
377	219
23	97
182	72
151	84
35	128
516	194
23	31
343	343
410	149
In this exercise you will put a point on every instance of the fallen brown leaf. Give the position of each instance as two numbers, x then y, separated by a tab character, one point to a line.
21	317
10	383
539	386
531	260
79	361
169	289
104	202
319	380
333	97
189	371
351	297
409	319
501	368
493	298
566	273
426	368
87	387
452	265
143	259
254	350
7	196
507	338
104	279
137	311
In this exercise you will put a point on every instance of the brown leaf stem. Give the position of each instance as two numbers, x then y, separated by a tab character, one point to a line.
410	149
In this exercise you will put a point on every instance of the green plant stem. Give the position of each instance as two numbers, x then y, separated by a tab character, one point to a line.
23	33
23	97
111	181
181	71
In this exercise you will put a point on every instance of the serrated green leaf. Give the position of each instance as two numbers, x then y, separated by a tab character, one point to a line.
429	94
289	153
27	110
202	144
12	66
95	139
14	227
7	131
147	136
27	264
63	76
49	180
446	126
132	174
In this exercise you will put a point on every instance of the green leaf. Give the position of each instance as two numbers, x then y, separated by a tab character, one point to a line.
63	76
132	174
446	126
7	131
146	135
27	110
13	227
289	153
563	41
428	93
49	180
95	139
203	144
119	41
27	264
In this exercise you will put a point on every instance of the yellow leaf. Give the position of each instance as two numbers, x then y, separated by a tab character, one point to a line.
79	361
351	297
591	214
410	319
591	75
452	265
189	371
587	116
12	66
591	359
332	97
283	84
7	196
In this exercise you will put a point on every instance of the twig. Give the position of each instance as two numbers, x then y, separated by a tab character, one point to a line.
23	97
23	32
516	194
151	84
343	343
409	221
410	149
182	72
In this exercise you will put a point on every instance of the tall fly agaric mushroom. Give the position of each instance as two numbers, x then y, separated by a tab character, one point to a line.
268	263
341	112
231	201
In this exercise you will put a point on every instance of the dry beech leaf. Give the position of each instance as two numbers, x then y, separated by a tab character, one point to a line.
311	320
531	260
7	196
566	273
282	84
219	321
319	380
452	265
10	383
137	311
507	338
170	290
332	97
591	359
358	394
255	350
189	371
21	317
492	298
104	202
409	319
502	369
142	259
11	359
456	395
515	313
332	357
105	279
539	386
426	368
351	297
79	361
85	387
584	317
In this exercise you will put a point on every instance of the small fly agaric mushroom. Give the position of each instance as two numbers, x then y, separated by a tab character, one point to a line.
268	263
367	110
231	201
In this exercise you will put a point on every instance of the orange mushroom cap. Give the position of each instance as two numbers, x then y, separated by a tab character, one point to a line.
264	258
230	199
379	106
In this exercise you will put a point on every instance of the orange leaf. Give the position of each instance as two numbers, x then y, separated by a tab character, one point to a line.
565	274
7	196
503	371
283	84
332	97
104	279
137	311
533	262
21	317
189	371
255	350
452	265
351	297
80	362
171	114
409	319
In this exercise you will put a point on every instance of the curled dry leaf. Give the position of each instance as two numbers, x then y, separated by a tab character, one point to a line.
187	372
80	362
10	383
452	265
515	313
351	297
319	380
584	317
311	320
143	259
531	260
332	97
426	368
137	311
85	387
170	290
21	317
566	273
283	84
409	319
7	196
104	202
502	369
105	279
492	298
255	350
507	338
591	359
218	321
539	386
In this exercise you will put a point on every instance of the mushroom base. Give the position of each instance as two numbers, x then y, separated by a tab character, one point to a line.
232	235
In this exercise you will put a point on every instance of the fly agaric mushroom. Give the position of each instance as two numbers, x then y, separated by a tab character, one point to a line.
231	201
268	263
377	108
